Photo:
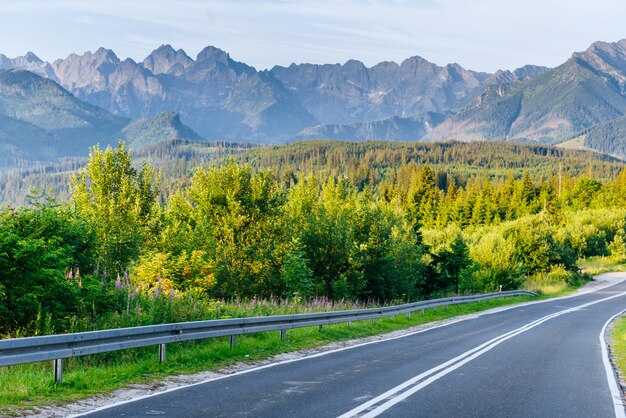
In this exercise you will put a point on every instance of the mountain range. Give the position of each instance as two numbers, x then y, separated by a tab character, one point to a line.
51	110
41	121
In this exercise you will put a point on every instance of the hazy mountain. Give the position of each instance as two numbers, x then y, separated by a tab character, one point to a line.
167	60
586	90
399	129
122	87
351	92
524	73
40	120
221	98
162	127
608	137
218	96
30	62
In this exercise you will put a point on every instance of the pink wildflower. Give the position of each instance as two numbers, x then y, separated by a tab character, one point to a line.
118	282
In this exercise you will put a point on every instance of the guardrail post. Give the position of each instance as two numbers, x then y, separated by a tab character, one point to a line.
393	317
162	353
320	328
58	370
47	347
408	316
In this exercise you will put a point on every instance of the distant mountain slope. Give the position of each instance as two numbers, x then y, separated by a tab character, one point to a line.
348	93
30	62
527	72
121	87
163	127
586	90
608	137
39	119
221	98
398	129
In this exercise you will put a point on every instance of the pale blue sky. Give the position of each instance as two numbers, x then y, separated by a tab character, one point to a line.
483	35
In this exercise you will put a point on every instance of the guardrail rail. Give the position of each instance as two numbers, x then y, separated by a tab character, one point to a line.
58	347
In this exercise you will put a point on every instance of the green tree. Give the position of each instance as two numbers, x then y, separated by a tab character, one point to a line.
296	274
41	251
119	204
243	210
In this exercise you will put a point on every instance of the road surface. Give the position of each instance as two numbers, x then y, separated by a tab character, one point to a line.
537	360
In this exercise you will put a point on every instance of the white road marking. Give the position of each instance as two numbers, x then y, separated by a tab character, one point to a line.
411	386
616	395
279	363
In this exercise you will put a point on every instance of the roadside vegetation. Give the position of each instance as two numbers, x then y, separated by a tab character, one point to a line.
25	387
618	347
281	234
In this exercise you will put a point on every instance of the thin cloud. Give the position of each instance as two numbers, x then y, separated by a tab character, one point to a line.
482	35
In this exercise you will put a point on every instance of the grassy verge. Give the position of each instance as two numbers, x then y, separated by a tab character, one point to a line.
544	286
27	386
599	265
618	345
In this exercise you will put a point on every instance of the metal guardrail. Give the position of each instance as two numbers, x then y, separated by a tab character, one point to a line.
58	347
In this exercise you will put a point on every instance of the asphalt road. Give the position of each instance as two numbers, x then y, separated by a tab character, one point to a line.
537	360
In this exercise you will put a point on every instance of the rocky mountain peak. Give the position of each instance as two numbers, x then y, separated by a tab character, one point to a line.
386	66
606	59
610	53
165	50
524	73
166	60
32	58
529	71
212	61
417	66
30	62
211	53
354	65
415	61
501	77
104	54
5	62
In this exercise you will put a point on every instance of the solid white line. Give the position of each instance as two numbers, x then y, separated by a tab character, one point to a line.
429	372
452	365
266	366
279	363
616	395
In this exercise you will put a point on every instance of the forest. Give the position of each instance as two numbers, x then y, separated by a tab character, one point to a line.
362	222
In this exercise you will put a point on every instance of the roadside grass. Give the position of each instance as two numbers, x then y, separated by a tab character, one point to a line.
618	345
549	288
26	387
545	287
599	265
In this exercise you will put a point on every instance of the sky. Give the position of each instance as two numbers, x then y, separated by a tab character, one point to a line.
482	35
